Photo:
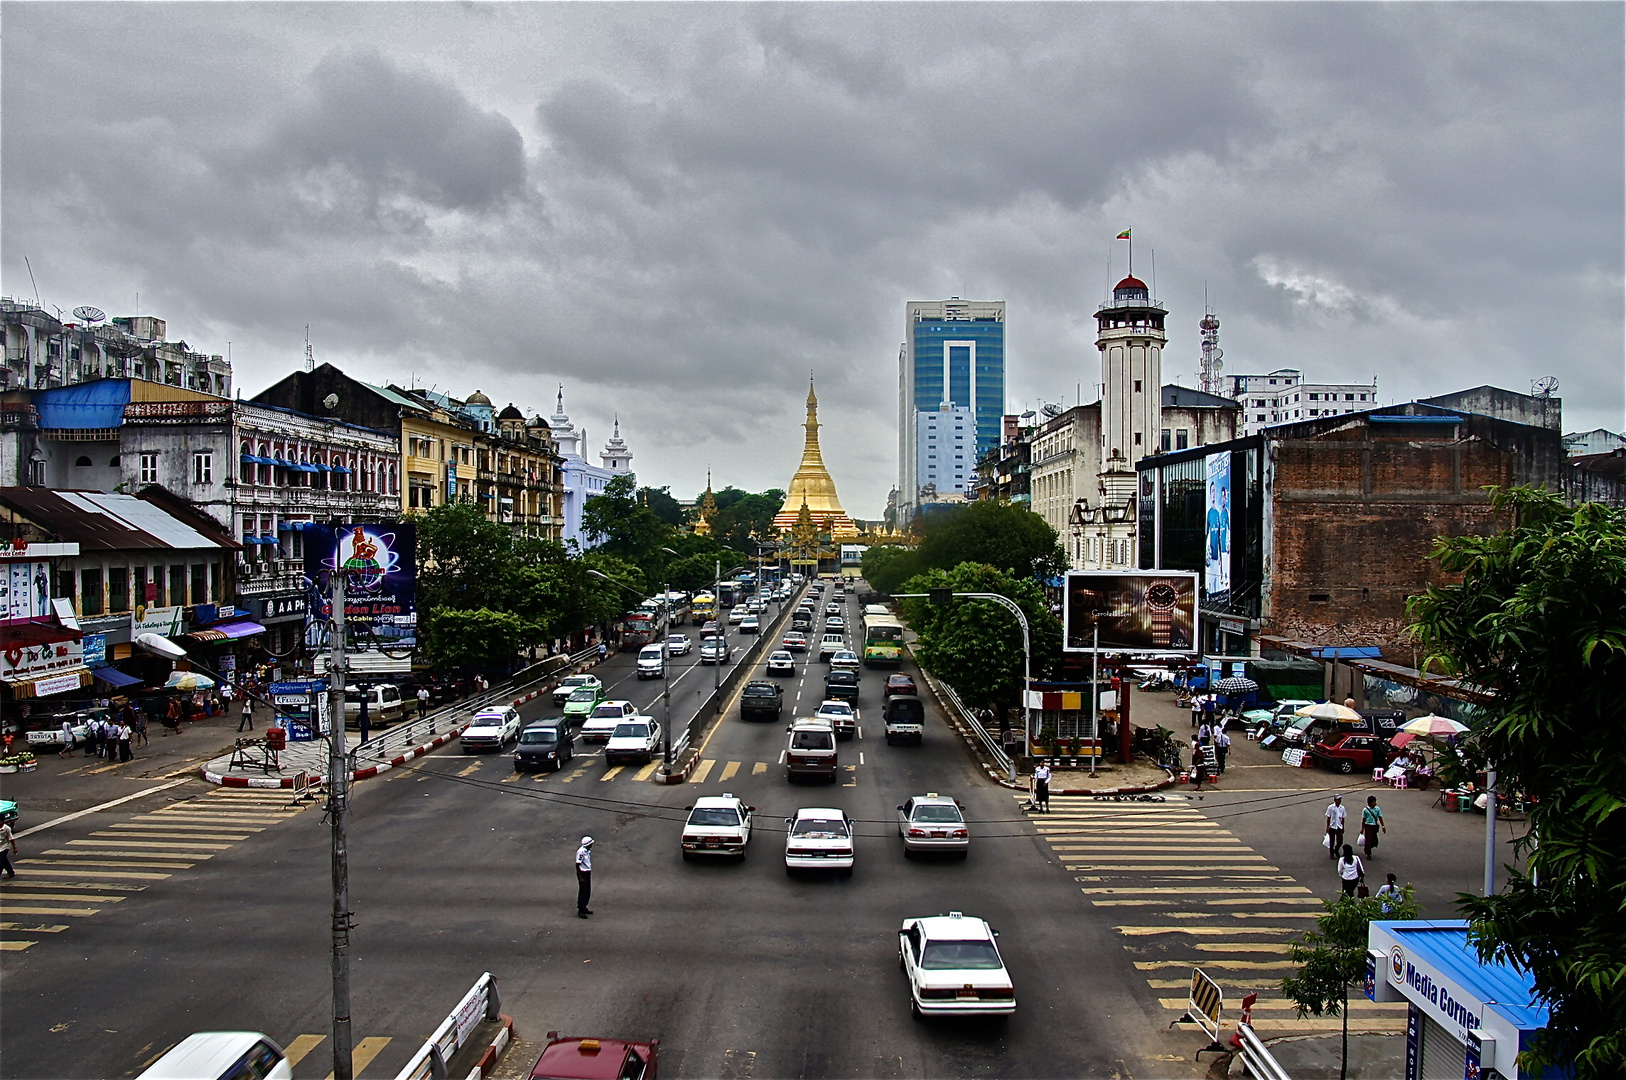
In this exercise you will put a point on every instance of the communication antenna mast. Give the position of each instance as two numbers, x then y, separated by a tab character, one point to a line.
1210	366
310	357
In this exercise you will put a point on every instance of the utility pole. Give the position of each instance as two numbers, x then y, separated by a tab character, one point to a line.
1095	689
338	784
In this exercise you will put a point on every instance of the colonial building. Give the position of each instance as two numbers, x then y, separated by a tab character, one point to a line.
42	351
581	480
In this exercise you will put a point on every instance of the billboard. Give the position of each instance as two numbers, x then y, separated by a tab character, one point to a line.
1217	531
1145	611
25	590
381	585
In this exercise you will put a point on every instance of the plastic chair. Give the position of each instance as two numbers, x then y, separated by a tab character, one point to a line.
1400	782
1377	776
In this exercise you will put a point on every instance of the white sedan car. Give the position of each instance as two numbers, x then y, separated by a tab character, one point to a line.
846	660
933	822
571	684
819	838
840	715
635	739
781	662
491	729
717	826
954	967
604	719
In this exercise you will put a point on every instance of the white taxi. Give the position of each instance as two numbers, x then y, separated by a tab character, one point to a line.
819	838
717	825
954	967
604	719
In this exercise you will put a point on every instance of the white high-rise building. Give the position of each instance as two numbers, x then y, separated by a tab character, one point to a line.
1283	397
946	448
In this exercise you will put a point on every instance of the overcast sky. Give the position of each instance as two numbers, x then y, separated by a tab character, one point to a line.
679	211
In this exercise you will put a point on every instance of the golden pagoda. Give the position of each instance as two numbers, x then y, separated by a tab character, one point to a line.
707	510
812	491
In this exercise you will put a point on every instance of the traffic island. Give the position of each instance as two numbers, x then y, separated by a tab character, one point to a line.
304	764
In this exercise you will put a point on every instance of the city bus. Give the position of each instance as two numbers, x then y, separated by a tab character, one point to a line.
883	638
643	627
703	608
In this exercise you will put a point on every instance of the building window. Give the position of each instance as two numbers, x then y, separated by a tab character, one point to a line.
1137	438
64	585
1315	397
118	588
1168	440
90	591
1361	398
1181	439
81	462
1349	397
177	586
203	468
200	583
1137	386
149	468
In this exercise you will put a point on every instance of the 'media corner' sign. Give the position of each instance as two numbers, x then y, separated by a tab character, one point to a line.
1444	1001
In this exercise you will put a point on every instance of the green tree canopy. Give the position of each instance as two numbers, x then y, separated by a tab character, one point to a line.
1001	534
620	524
976	645
1539	619
742	516
660	502
886	567
465	561
479	639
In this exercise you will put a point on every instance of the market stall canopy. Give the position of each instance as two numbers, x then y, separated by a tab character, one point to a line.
188	680
1328	710
227	631
1236	684
112	676
1432	725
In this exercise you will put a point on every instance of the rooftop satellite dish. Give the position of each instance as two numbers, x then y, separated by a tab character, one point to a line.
1545	387
330	402
1051	409
89	314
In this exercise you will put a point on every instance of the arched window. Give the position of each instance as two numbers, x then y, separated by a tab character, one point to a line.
113	462
81	462
395	483
265	470
245	470
383	484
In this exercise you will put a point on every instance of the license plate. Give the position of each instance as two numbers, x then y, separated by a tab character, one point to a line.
937	834
967	992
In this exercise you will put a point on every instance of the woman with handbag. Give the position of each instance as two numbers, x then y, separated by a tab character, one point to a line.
1351	872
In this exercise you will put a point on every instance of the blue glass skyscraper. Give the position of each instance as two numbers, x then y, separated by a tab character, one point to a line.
953	353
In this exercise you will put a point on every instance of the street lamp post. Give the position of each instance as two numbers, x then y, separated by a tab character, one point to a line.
666	681
722	625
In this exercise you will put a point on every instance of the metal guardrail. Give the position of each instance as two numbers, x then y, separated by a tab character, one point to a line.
970	719
1257	1061
480	1003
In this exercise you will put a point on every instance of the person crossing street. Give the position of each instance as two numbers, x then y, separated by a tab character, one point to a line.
584	877
1336	813
1041	787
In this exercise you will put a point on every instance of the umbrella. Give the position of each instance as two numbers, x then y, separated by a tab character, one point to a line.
1236	685
1433	725
1328	710
188	680
1401	739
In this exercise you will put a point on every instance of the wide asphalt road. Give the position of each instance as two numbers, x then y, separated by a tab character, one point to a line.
458	866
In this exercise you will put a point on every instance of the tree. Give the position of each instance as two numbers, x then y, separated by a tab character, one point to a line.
477	639
622	525
465	561
1539	619
1000	534
1333	955
976	645
742	516
886	567
660	502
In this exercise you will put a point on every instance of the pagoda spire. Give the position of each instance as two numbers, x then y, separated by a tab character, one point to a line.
812	485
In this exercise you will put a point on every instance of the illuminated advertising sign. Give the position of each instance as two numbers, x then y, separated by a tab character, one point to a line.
381	583
1217	530
1145	611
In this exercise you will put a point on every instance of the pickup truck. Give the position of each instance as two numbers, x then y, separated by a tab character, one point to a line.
764	700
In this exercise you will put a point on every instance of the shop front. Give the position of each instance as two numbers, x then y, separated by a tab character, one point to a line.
1465	1019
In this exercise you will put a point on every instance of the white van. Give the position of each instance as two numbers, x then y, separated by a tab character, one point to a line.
222	1055
652	662
384	705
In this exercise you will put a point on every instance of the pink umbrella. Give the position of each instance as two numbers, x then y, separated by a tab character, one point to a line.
1401	739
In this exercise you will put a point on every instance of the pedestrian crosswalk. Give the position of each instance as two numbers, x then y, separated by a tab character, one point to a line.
1182	891
82	877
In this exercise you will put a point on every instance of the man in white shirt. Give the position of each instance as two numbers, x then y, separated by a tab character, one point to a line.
1041	787
1222	746
1335	825
584	877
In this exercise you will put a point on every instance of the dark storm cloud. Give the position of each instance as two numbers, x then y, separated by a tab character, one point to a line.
677	210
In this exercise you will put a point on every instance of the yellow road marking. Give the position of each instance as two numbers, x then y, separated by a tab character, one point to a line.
611	773
1125	890
304	1044
363	1053
137	874
728	771
1109	855
1374	1025
19	927
648	770
1265	900
19	909
1211	931
759	768
1242	946
16	946
149	834
465	771
1233	965
81	897
170	865
168	846
511	777
700	773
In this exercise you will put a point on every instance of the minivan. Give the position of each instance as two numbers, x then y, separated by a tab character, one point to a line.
384	705
652	662
812	750
222	1055
544	744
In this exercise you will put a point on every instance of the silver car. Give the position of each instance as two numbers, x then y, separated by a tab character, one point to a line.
933	822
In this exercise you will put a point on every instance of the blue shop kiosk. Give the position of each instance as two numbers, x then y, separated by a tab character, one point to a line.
1465	1018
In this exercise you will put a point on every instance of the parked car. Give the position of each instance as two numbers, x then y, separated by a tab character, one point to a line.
794	641
544	744
900	684
595	1059
954	967
840	715
571	684
811	751
781	662
1350	752
603	720
678	645
841	685
717	825
933	822
819	838
652	662
636	739
490	729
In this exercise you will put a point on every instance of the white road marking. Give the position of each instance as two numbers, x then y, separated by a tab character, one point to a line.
860	757
103	806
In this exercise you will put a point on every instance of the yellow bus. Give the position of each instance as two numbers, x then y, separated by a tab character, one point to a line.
703	609
883	639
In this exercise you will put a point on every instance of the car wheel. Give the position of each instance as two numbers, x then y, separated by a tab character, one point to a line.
1346	766
847	872
688	856
964	854
914	1009
790	871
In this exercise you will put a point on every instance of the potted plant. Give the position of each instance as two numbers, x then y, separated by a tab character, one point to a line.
1074	747
1047	740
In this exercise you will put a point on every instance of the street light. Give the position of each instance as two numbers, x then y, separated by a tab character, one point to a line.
722	625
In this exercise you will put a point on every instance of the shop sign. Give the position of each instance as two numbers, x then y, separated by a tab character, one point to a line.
1233	626
56	684
281	607
33	661
155	620
25	590
95	646
381	579
1440	998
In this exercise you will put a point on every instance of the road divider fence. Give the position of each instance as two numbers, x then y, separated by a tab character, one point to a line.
481	1003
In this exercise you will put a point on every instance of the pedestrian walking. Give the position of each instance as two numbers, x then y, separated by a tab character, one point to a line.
362	720
1041	787
8	848
1371	825
138	722
423	702
247	719
1222	746
584	877
172	717
1208	711
67	740
1351	871
1196	710
1205	734
124	734
1336	812
602	652
1388	895
1199	770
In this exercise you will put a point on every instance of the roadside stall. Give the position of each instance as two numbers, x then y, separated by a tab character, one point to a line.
1463	1017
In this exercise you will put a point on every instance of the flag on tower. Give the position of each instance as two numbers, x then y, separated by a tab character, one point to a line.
1124	235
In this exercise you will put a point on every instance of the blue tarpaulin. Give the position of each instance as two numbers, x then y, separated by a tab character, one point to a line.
93	405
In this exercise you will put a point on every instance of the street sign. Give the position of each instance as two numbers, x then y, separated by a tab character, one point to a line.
940	596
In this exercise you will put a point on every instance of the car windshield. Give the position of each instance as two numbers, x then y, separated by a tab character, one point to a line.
937	813
631	731
714	815
841	709
960	956
810	740
606	711
543	735
819	828
587	693
489	720
576	680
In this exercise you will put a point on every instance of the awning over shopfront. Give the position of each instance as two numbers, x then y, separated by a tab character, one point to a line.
227	631
28	632
57	682
112	676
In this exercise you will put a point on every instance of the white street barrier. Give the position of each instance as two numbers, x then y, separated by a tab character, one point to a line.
480	1003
